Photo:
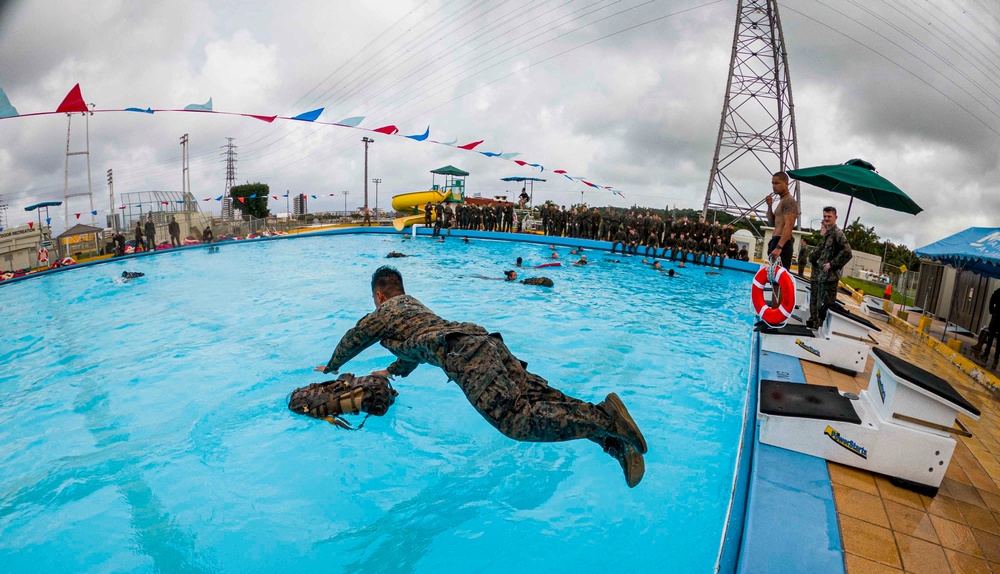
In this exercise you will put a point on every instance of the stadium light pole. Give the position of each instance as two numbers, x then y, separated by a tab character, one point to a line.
345	193
376	181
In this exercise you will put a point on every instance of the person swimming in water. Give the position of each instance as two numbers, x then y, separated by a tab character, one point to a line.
130	275
540	281
395	255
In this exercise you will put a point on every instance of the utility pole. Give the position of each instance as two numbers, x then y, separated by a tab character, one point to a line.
227	202
376	181
288	210
111	188
345	201
185	172
367	141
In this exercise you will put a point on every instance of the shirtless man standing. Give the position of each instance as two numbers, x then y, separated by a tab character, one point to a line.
782	217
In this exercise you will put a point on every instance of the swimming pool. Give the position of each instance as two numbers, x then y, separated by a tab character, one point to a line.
145	425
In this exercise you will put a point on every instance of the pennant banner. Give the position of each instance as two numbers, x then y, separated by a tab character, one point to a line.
74	102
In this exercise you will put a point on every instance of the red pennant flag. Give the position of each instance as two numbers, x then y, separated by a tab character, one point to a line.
242	199
267	119
520	163
388	130
122	207
560	171
165	202
31	225
471	145
78	216
73	101
275	197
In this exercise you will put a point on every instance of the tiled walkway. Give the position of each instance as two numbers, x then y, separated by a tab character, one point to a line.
886	529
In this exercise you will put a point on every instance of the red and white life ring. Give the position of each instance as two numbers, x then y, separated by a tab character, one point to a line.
43	256
774	316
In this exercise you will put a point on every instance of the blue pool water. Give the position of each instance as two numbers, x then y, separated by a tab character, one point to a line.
144	425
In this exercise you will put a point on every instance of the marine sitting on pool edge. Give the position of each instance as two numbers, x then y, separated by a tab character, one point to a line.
519	404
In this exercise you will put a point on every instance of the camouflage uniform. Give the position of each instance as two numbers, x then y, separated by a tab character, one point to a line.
835	250
519	404
543	281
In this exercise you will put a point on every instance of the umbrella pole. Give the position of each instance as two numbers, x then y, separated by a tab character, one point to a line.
847	220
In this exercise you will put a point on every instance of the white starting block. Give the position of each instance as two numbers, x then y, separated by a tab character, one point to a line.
872	306
901	426
842	323
846	354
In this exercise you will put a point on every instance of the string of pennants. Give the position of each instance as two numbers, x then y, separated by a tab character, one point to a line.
74	102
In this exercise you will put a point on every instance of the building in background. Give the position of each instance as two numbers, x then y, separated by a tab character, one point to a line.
299	206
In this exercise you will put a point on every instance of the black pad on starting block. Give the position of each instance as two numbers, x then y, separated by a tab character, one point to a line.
790	330
806	401
921	378
856	318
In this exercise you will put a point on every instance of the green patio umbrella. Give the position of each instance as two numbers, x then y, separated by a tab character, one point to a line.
857	178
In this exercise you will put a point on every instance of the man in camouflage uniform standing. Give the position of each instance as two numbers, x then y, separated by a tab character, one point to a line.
827	259
519	404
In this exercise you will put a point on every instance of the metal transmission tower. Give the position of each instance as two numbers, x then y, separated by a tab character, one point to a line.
86	152
227	202
757	131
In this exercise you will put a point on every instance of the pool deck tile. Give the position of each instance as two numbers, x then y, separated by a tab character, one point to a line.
885	528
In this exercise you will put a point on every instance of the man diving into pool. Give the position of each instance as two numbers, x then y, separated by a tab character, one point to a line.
519	404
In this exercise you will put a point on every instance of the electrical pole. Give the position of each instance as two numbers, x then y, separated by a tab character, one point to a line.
185	172
111	189
376	181
345	201
227	202
367	141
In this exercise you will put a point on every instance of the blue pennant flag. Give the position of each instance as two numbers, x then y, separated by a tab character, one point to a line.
421	137
218	198
314	197
491	154
206	107
309	116
254	196
6	110
140	110
48	220
180	201
352	122
93	212
286	195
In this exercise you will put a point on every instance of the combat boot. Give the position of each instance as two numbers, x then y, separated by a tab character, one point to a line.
632	462
622	424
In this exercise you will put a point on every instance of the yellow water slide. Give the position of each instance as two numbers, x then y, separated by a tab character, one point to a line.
414	203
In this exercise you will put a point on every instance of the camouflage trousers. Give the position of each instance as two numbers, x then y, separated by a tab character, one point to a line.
519	404
823	294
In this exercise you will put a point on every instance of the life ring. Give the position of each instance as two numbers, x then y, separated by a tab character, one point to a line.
43	256
67	261
774	316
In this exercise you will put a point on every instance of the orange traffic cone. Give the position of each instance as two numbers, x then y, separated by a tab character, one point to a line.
888	292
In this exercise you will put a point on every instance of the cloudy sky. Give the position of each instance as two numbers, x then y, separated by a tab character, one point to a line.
626	93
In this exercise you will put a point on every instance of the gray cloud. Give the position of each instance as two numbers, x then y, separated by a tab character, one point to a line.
638	111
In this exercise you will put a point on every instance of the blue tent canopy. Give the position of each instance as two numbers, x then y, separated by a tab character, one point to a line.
976	249
43	204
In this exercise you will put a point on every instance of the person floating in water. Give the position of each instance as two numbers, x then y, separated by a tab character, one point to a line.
395	255
130	275
540	281
519	404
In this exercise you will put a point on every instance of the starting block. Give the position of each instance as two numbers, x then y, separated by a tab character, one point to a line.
845	354
901	426
842	323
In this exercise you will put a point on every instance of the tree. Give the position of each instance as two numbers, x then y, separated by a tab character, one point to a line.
251	199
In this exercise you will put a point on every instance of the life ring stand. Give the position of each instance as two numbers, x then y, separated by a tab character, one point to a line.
785	283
